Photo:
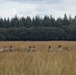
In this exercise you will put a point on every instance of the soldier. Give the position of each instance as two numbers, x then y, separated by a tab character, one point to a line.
50	49
29	49
11	49
5	48
33	49
60	48
66	48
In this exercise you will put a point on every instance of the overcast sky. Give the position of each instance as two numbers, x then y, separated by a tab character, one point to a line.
57	8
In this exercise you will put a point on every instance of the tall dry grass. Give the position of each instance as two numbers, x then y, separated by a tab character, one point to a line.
40	62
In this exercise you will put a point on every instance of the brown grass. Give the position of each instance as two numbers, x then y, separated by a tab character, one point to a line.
40	62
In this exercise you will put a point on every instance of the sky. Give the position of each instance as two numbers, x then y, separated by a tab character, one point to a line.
24	8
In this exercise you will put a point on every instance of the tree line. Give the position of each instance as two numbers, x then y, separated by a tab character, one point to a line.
38	29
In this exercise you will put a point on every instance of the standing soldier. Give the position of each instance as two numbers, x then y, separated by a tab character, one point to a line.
6	49
33	49
11	49
50	49
29	49
60	48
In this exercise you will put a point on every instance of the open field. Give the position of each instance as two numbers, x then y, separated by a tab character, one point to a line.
40	62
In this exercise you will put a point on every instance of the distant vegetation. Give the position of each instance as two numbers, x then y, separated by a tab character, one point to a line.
47	28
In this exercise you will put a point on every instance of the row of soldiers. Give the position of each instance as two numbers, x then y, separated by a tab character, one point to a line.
6	48
60	48
31	49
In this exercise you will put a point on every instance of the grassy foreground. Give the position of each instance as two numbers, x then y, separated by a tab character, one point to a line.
40	62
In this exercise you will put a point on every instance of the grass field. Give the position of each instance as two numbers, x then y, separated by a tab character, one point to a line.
40	62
